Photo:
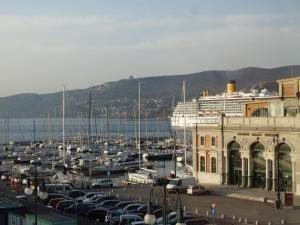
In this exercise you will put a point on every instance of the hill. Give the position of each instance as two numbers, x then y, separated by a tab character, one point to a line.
157	93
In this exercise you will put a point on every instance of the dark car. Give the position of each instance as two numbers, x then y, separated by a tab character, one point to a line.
96	214
64	204
108	203
143	209
70	209
159	212
121	205
76	193
82	208
113	216
104	198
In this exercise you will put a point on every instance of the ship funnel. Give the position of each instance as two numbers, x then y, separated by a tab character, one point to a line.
205	93
231	87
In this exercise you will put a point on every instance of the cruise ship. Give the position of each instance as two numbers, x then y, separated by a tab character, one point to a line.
207	108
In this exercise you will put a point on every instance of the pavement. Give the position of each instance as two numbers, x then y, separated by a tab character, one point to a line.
252	194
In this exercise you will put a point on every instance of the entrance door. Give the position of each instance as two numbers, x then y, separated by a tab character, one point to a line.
235	163
259	166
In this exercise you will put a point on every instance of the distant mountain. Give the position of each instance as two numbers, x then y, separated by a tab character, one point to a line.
157	93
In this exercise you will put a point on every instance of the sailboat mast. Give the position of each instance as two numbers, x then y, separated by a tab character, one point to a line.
139	126
90	112
184	128
63	106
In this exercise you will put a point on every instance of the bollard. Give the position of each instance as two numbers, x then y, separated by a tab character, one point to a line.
269	223
282	221
222	216
196	211
118	195
240	219
233	217
112	190
184	208
246	221
207	213
256	222
140	199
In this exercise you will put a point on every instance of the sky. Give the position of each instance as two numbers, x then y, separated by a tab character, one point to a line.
81	43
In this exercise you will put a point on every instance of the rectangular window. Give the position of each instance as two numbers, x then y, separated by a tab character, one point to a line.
201	140
213	141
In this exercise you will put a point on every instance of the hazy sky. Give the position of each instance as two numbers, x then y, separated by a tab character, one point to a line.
81	43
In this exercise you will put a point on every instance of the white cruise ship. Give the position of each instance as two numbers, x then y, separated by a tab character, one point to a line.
206	109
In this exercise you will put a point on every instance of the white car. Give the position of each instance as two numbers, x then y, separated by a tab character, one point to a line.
102	183
197	190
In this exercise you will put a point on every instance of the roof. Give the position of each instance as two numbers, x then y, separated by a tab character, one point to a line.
289	79
6	203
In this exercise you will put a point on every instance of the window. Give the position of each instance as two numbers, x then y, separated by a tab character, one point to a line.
202	140
202	164
213	165
213	141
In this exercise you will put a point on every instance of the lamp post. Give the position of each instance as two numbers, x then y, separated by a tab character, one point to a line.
41	192
278	201
150	217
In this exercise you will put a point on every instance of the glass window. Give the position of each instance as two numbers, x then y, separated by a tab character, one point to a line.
213	165
202	164
213	141
202	140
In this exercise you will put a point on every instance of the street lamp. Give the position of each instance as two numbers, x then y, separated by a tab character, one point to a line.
150	218
278	201
36	190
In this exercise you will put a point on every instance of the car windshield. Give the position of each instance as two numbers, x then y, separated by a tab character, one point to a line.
175	182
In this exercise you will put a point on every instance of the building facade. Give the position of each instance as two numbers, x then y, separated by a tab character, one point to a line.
258	149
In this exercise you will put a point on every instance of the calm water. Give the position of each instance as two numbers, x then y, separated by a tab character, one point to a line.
43	129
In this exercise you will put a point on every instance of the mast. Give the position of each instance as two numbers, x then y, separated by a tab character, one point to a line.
63	107
90	112
184	128
107	130
139	126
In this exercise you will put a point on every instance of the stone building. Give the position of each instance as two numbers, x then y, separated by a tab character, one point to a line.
256	150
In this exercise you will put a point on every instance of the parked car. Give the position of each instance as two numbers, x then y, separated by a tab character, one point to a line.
82	208
121	205
53	202
159	212
102	183
88	196
93	198
96	214
108	204
130	207
64	204
104	198
76	193
143	209
197	190
127	219
171	216
71	209
113	216
59	188
139	223
51	196
181	184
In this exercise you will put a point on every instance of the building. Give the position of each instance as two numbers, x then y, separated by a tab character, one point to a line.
242	150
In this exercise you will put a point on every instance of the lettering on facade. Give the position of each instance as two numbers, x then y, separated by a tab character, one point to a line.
270	135
256	134
243	134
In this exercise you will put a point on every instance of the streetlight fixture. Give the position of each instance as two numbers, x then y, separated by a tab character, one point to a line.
150	218
278	201
36	190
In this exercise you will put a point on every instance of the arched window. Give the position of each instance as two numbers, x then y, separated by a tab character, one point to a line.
202	164
213	165
262	112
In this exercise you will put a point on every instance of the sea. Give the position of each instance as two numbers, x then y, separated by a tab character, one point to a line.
42	129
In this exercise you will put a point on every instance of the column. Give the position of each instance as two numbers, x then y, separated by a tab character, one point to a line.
273	174
226	179
249	172
243	172
294	176
267	174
